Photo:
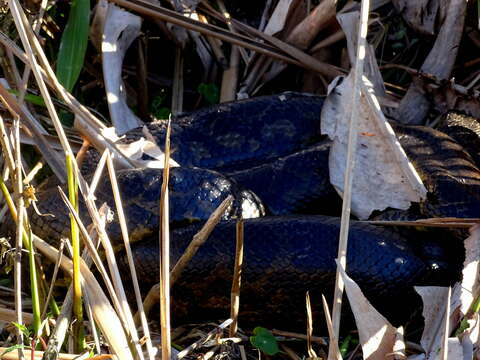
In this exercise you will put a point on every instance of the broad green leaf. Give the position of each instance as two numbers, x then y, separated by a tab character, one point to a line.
73	44
264	341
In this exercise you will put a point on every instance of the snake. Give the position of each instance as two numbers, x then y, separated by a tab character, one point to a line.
269	155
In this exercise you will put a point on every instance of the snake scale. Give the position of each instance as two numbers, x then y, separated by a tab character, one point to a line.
269	154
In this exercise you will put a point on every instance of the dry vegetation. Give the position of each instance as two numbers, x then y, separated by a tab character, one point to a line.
71	70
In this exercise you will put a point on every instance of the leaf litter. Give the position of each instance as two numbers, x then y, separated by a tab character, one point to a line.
378	338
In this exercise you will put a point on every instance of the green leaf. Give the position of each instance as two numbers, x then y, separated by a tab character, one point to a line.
264	341
11	348
23	329
34	99
209	92
73	44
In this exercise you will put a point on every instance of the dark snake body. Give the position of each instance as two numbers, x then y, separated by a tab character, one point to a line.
271	145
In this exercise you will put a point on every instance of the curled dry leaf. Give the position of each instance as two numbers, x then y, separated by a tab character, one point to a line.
98	24
470	282
415	106
377	335
120	29
278	18
383	175
469	291
349	23
136	150
434	301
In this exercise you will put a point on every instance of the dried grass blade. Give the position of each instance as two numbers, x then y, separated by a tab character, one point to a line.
237	278
21	23
104	314
347	195
165	253
18	247
204	339
58	335
177	90
43	145
310	351
446	334
126	240
6	148
161	13
96	257
33	355
333	346
199	239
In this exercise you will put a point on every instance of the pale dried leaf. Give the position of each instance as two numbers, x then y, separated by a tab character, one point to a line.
470	338
377	335
455	350
399	347
137	149
434	302
120	29
383	175
470	282
98	24
278	18
349	24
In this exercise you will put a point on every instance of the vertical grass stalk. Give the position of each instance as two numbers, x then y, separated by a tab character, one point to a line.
27	243
165	253
237	278
77	289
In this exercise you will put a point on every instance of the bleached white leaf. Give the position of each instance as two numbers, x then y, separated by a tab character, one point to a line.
434	309
383	176
278	18
377	335
349	23
455	350
120	29
470	280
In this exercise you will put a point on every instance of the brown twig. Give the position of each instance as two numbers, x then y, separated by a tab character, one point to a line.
310	351
237	278
165	253
198	240
298	336
177	89
204	339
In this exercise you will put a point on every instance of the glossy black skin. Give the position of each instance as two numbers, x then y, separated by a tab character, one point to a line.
294	184
466	131
283	258
221	138
238	135
194	194
448	172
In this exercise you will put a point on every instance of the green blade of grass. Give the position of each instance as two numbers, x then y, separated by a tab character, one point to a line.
73	44
77	289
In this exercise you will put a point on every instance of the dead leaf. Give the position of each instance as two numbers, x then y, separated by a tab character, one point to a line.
383	174
277	20
377	335
422	15
98	24
120	29
434	302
